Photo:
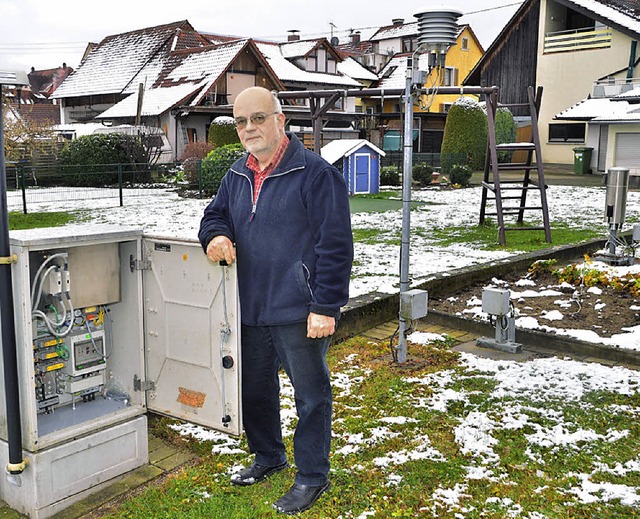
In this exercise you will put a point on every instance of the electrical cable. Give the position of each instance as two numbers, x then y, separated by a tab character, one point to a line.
41	268
394	352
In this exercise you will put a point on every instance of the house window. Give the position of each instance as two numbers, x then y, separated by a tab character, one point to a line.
567	132
389	71
465	43
192	134
408	44
449	78
446	107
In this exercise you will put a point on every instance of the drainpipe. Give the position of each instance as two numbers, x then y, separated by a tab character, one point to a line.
632	59
16	463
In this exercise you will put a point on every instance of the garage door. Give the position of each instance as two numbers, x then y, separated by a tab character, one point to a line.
628	152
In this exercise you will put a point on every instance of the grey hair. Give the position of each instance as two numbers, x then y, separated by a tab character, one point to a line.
277	105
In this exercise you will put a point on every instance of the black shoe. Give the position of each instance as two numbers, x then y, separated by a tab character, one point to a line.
300	498
255	473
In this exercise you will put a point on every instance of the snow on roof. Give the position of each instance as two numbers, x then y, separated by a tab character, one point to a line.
296	49
154	102
287	71
115	61
344	147
629	93
592	108
617	12
393	73
350	67
204	66
632	116
396	31
187	73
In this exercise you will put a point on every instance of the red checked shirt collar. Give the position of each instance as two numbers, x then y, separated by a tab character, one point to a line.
258	174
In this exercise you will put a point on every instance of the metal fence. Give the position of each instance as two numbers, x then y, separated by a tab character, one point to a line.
396	158
55	188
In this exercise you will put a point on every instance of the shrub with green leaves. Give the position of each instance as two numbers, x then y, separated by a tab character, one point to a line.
421	173
93	160
222	132
465	135
389	176
460	174
506	131
217	163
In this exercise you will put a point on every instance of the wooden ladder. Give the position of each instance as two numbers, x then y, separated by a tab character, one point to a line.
505	190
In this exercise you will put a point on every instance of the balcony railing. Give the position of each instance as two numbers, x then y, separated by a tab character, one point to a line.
577	39
613	87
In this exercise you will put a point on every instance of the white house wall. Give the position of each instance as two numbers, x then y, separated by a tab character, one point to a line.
567	78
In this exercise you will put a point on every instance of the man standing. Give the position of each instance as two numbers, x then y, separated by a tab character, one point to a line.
286	210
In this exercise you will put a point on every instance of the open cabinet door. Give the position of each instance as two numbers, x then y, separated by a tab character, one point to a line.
192	335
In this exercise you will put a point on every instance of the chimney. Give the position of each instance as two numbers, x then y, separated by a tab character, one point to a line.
355	38
397	21
293	35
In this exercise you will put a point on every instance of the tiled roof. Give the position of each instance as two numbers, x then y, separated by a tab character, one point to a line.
154	102
396	31
288	72
624	13
590	109
395	72
184	75
43	113
118	59
352	68
297	49
45	82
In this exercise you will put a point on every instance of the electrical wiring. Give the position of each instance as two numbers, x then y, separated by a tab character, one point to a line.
63	255
36	295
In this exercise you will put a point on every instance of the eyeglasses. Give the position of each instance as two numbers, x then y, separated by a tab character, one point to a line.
258	118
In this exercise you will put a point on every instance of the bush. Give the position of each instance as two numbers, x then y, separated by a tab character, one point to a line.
389	176
193	153
506	131
217	163
92	160
460	174
222	132
421	173
465	133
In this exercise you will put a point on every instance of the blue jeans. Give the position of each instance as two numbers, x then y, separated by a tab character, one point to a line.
264	350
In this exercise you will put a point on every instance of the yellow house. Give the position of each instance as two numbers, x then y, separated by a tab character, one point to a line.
430	112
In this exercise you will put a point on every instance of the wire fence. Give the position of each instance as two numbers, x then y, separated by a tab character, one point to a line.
44	188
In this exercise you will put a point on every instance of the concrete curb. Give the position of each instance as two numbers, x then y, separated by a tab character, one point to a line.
368	311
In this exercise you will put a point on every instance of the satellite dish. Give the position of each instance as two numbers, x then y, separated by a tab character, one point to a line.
335	40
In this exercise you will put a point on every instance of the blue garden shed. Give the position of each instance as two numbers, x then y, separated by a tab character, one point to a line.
359	162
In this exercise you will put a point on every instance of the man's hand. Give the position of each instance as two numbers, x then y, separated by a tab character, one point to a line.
319	326
220	248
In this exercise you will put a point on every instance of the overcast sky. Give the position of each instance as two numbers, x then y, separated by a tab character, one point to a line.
46	34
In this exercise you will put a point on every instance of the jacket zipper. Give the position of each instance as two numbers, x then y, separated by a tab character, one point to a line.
308	276
254	205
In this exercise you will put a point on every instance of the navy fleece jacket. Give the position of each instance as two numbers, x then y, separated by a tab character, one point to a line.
294	247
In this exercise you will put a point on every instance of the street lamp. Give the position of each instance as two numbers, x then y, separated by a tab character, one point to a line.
437	31
9	356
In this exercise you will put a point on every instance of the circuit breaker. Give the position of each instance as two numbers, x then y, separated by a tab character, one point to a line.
110	323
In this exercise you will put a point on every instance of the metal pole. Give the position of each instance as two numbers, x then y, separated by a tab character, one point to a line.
9	355
406	204
23	188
